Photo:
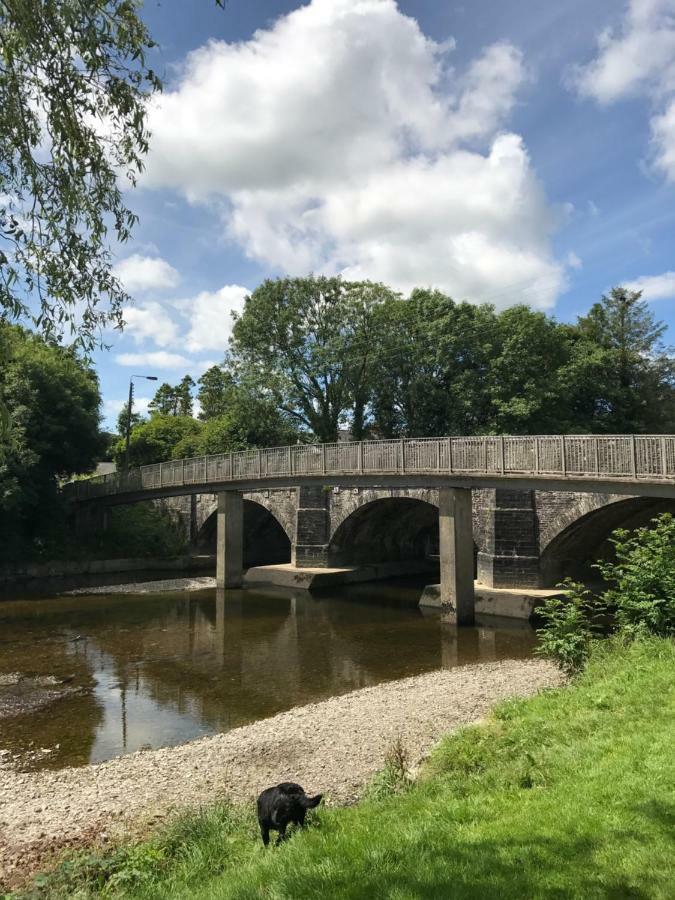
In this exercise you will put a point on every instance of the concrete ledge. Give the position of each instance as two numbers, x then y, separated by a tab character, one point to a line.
309	579
28	571
512	603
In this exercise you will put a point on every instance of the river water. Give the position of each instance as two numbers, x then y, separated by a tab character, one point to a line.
139	671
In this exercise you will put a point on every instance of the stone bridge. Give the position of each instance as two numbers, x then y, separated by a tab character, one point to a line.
522	539
517	512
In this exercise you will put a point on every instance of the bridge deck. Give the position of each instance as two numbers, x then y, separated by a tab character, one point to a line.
628	464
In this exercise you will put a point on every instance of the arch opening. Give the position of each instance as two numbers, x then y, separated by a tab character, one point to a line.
571	553
265	540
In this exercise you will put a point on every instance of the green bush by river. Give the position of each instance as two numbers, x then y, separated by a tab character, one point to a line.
568	794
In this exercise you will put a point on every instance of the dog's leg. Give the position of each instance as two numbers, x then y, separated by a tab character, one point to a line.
301	818
282	835
265	832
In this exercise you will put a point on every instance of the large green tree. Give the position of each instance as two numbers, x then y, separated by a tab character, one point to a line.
155	440
74	84
215	393
430	366
309	344
53	401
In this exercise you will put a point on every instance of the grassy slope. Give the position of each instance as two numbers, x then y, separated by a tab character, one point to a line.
569	794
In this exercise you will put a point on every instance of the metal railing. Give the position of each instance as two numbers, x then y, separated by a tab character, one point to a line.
624	457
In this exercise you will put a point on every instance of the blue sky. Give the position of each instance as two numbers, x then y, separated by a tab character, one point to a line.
508	152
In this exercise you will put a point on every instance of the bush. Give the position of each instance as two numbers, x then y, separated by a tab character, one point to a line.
569	627
139	531
641	595
640	598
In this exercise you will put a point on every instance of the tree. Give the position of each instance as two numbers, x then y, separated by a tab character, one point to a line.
74	85
53	400
249	422
165	401
216	387
183	393
155	440
636	387
307	343
122	419
431	365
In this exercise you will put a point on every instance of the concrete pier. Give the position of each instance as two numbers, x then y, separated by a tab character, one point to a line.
230	540
455	530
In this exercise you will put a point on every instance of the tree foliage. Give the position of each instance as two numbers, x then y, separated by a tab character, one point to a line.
173	400
53	401
154	441
309	343
74	82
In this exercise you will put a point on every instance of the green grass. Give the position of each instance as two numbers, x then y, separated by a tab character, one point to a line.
569	794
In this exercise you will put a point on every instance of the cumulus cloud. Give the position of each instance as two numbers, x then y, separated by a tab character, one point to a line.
159	359
654	287
638	59
341	139
210	317
150	322
146	273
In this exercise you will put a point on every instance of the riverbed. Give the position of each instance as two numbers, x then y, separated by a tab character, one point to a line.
104	675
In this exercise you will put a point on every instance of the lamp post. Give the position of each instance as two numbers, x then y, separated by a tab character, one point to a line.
129	409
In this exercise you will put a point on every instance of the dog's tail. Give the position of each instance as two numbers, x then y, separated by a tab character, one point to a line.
311	802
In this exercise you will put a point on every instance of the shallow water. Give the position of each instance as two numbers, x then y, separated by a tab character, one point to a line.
157	670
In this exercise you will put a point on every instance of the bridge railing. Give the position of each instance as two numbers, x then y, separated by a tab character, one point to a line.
637	457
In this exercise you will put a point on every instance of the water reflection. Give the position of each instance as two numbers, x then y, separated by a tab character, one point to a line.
161	669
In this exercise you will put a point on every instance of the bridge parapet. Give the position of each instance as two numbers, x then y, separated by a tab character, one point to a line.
595	458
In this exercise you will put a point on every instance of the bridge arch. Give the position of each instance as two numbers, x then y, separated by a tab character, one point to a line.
266	541
386	529
583	534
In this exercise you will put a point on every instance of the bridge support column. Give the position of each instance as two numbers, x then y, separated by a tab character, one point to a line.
310	548
230	540
509	545
455	529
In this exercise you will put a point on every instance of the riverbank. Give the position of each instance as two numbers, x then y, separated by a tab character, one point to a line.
567	794
334	747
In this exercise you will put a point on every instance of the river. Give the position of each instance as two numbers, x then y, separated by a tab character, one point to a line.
146	671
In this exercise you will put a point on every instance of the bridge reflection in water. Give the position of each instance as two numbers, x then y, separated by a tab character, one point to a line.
162	669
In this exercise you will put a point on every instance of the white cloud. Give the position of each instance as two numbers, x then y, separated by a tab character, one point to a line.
638	60
146	273
340	140
150	322
209	315
573	260
654	287
159	359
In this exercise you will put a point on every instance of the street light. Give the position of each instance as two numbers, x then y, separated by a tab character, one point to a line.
129	408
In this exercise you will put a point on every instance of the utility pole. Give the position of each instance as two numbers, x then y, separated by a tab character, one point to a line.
130	404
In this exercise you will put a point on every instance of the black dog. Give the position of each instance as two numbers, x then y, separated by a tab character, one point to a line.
282	805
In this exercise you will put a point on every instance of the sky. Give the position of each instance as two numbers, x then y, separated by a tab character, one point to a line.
504	152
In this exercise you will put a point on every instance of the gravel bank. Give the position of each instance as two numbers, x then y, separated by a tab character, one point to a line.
334	746
199	583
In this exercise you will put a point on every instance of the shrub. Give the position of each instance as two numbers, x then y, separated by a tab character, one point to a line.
641	579
640	598
570	627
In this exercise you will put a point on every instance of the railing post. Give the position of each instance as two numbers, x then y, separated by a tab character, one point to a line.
289	460
450	454
161	476
563	455
323	459
485	454
402	455
536	455
597	456
360	456
183	472
664	457
501	453
438	456
633	456
258	455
